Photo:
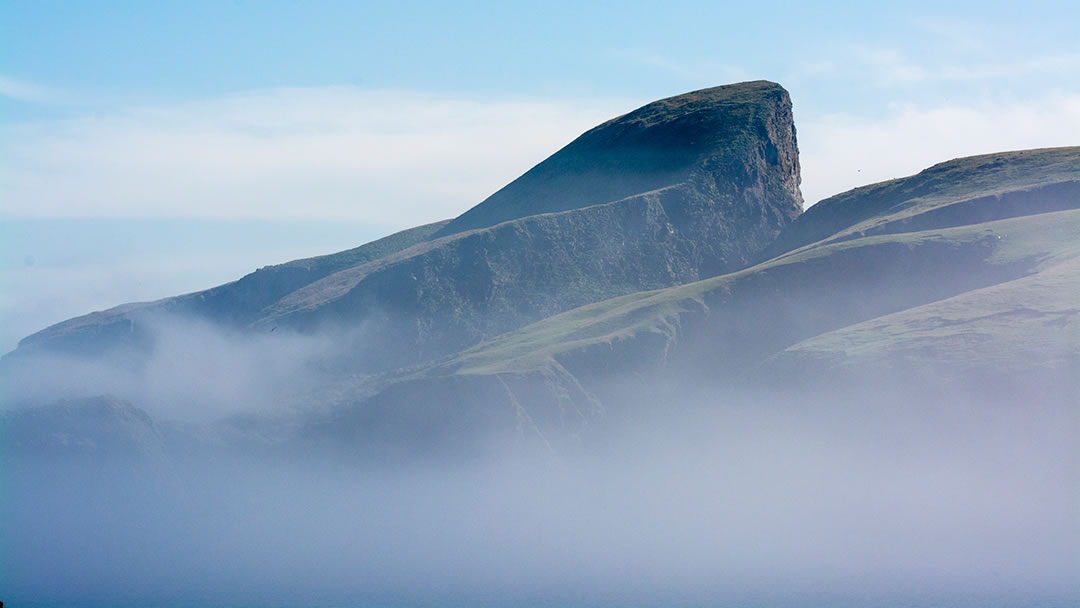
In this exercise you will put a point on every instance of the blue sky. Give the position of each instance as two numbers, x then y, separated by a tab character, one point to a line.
253	132
101	55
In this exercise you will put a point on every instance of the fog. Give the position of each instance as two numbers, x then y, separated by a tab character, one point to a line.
707	497
190	370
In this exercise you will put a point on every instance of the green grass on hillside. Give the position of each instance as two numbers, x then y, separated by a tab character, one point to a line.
868	207
1049	238
1025	325
324	264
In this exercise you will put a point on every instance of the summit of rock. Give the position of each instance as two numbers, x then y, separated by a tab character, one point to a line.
661	144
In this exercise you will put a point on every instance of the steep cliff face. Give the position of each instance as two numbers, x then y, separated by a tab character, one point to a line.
732	145
679	190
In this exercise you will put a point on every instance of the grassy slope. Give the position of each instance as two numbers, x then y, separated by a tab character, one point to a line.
872	207
244	296
658	312
1025	325
702	182
1014	280
1050	236
389	245
569	230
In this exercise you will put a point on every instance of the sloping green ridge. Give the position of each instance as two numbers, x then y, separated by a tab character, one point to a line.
1053	174
1028	327
448	294
388	245
553	381
904	211
243	300
1046	236
236	302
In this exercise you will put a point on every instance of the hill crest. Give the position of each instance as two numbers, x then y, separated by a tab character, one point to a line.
661	144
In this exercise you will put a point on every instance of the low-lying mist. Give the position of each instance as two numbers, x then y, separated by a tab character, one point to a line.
189	369
709	498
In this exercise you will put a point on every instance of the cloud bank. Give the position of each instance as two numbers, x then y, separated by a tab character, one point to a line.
395	158
401	158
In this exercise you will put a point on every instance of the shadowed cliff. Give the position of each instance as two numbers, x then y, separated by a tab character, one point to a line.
732	143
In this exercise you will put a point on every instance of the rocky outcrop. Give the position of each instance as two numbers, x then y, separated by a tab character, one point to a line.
679	190
733	145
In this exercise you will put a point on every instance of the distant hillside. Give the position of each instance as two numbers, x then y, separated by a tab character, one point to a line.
952	193
930	291
85	430
235	303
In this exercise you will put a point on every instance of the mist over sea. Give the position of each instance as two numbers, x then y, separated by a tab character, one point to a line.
801	503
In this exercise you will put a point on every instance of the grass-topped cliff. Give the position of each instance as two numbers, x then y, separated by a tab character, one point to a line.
722	142
679	190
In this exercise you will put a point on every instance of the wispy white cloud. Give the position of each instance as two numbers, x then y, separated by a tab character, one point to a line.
397	158
22	90
890	67
963	35
698	71
394	158
840	151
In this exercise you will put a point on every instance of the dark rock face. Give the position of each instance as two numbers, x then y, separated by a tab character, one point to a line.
483	283
733	145
679	190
